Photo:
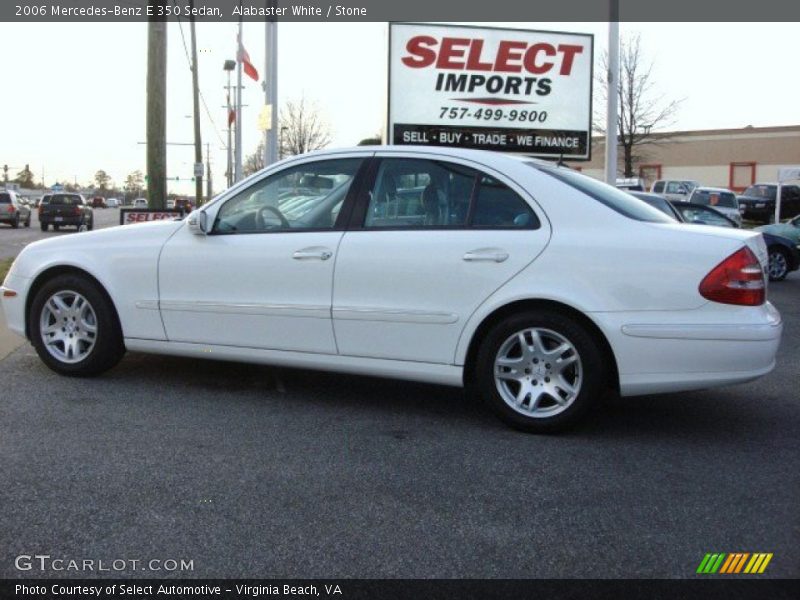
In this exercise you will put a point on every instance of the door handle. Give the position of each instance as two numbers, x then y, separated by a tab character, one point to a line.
318	253
486	255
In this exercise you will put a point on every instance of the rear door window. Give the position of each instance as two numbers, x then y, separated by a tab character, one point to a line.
5	198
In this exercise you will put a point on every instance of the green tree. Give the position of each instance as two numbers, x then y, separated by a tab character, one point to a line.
25	178
102	180
134	183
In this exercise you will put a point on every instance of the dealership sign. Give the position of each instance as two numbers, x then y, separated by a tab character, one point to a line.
495	89
127	216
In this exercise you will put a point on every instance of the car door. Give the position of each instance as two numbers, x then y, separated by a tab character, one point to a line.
429	242
262	277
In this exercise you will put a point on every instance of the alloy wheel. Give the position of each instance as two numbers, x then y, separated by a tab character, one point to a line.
538	372
68	326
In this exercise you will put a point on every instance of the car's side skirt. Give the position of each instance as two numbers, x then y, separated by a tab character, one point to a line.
441	374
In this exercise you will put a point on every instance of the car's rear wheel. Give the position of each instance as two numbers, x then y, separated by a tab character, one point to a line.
28	221
56	227
778	264
540	371
74	327
15	222
43	226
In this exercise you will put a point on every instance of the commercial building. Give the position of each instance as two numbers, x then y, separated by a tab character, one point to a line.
730	158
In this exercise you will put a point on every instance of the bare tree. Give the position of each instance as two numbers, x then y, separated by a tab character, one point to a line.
302	128
642	110
254	162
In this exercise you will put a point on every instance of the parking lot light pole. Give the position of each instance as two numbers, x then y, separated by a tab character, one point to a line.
613	93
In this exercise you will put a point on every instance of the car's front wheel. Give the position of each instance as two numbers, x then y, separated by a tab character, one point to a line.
778	264
74	327
540	371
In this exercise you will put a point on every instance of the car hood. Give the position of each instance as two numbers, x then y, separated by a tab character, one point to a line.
103	241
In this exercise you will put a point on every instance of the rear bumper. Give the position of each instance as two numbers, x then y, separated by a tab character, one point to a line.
684	350
54	220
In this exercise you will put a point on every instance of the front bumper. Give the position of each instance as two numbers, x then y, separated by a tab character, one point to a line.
14	306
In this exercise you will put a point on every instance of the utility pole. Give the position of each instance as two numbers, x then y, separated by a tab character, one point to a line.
228	67
198	143
271	88
157	113
209	188
613	93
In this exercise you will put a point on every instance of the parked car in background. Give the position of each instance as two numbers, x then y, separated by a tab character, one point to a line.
536	286
717	198
13	210
631	184
790	229
139	203
98	202
784	255
757	203
674	189
65	209
112	202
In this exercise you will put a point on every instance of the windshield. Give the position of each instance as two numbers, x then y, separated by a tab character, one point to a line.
615	199
701	215
65	199
714	198
762	191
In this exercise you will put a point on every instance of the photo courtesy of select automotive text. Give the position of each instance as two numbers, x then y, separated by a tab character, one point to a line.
372	300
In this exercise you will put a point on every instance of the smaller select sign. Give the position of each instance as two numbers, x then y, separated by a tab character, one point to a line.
128	216
509	90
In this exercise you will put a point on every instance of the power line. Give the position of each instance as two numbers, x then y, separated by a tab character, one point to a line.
191	66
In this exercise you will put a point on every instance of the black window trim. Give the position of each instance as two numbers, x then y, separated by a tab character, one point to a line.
359	212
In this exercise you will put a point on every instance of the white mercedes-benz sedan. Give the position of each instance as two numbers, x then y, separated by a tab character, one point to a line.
534	285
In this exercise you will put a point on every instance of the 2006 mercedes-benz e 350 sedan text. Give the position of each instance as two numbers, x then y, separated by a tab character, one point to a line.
535	285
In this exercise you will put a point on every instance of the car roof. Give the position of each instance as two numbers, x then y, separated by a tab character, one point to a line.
444	151
711	189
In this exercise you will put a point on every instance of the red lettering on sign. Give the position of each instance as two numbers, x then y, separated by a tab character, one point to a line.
421	54
507	52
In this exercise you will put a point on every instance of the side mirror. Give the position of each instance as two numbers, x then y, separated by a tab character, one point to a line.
197	221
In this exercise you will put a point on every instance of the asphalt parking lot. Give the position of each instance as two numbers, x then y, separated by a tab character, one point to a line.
255	472
14	240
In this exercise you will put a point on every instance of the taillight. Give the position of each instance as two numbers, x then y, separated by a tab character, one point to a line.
76	211
10	208
736	280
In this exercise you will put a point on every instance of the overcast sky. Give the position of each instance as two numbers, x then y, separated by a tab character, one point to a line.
74	95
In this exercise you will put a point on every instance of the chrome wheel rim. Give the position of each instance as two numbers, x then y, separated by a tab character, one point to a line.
538	372
777	265
68	326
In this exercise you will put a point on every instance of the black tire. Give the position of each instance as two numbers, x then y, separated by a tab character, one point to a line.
56	227
43	226
15	222
778	264
28	221
91	225
593	375
108	346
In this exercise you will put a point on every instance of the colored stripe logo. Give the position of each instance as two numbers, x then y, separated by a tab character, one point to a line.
734	563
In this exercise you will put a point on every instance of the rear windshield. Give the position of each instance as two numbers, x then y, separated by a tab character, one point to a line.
714	198
615	199
5	198
65	199
762	191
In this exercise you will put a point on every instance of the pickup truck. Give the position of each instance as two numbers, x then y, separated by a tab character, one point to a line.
65	209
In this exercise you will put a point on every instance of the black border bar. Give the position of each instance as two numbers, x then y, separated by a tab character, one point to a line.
493	11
